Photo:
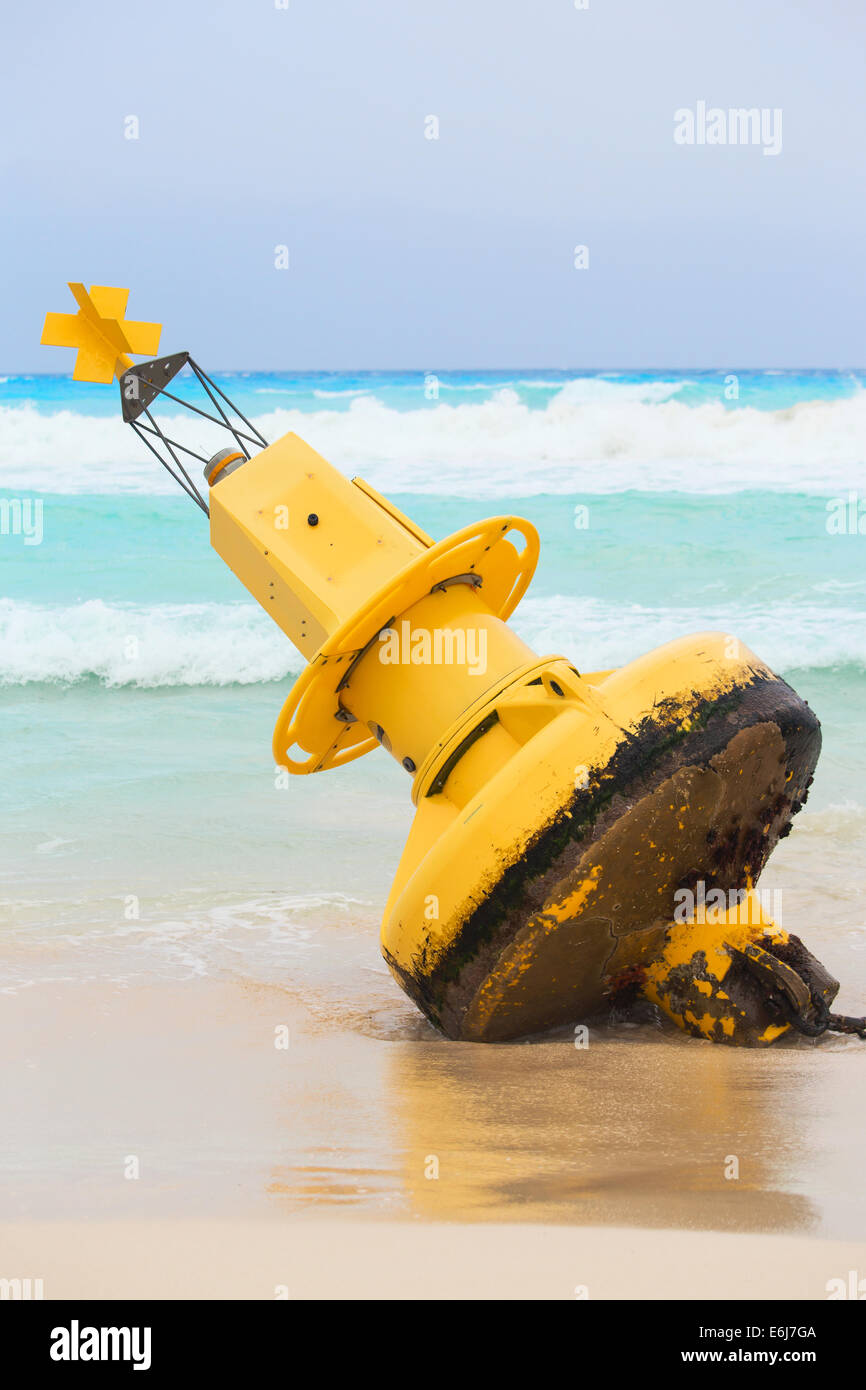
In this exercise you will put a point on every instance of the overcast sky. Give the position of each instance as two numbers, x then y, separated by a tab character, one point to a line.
304	127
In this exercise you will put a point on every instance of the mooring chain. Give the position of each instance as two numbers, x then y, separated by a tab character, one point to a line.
795	995
842	1023
824	1021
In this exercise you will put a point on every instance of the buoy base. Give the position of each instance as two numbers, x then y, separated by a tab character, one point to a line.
522	907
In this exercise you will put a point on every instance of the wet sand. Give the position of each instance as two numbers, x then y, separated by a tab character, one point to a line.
358	1259
371	1159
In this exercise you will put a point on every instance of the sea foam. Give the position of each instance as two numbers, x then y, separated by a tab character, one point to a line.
592	436
210	644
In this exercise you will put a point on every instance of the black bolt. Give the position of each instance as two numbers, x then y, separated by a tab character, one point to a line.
408	764
312	519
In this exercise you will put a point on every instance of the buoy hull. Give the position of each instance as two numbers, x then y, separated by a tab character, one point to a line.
697	787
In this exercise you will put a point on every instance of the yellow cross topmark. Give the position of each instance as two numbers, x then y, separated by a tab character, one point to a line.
103	337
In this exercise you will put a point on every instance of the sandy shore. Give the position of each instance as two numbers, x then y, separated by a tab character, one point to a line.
357	1259
159	1143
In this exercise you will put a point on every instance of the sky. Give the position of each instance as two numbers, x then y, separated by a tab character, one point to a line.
305	127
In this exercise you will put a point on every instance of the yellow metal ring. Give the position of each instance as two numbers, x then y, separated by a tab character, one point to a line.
307	718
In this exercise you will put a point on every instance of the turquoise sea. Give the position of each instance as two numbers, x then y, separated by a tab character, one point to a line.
147	835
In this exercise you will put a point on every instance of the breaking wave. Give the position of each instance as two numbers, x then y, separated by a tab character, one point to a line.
592	436
210	644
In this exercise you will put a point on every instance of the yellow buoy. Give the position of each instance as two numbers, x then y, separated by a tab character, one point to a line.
563	819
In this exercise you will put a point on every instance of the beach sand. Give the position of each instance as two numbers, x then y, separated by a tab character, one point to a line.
363	1161
358	1259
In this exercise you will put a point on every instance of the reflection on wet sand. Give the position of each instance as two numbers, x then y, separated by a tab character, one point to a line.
639	1130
